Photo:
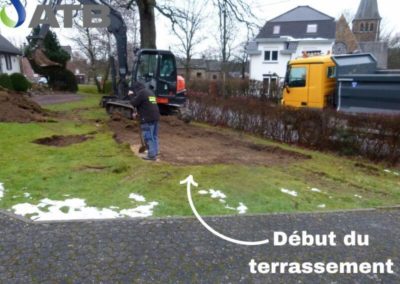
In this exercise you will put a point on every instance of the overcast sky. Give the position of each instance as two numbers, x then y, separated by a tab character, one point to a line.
263	9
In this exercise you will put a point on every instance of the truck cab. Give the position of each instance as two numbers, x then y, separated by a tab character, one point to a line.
310	82
157	70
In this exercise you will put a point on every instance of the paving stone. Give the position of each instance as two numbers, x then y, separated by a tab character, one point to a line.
180	250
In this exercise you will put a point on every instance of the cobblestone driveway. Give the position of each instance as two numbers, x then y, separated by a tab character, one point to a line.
180	250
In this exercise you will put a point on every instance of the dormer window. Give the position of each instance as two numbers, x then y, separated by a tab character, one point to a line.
277	30
312	28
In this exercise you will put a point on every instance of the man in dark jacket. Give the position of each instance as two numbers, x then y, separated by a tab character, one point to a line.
145	102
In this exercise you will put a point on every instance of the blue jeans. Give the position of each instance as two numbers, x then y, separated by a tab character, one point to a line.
150	137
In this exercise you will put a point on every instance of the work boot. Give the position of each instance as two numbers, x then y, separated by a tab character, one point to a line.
147	158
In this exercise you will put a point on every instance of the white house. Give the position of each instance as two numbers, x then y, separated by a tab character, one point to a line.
9	57
288	36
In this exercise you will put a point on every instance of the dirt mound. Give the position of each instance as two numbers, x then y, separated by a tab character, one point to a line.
62	141
14	107
124	129
188	144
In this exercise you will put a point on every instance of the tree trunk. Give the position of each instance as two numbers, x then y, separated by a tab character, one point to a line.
147	23
187	66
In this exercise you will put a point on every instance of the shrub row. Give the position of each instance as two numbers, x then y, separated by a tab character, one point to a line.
372	136
16	82
236	87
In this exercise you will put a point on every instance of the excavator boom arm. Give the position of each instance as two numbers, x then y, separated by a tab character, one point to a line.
117	27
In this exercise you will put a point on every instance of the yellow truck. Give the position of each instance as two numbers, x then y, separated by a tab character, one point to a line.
350	83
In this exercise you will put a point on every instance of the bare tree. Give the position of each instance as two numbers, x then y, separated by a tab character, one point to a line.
238	10
95	45
231	13
187	27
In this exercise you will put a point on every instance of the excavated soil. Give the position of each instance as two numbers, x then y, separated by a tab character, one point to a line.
14	107
62	141
188	144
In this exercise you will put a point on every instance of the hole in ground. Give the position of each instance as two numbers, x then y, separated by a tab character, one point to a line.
62	141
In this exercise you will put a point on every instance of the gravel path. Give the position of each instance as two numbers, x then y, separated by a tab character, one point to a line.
180	250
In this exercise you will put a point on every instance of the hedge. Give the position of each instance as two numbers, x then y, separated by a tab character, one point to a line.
376	137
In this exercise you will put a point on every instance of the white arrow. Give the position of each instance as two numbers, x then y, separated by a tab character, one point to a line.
190	181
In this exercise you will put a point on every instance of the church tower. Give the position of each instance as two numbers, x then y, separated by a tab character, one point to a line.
366	23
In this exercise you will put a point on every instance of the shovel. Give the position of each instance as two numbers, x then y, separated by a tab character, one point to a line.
143	146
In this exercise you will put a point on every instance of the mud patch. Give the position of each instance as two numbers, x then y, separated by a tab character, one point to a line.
188	144
15	107
367	168
62	141
125	130
93	169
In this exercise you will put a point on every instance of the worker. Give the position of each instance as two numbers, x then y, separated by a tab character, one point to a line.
145	102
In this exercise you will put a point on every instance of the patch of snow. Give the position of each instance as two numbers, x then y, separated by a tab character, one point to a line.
315	190
1	190
137	197
358	196
140	211
391	172
27	195
242	209
217	194
66	195
290	192
114	207
322	206
230	208
77	209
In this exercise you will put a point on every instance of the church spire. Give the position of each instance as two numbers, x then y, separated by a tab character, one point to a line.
366	23
368	10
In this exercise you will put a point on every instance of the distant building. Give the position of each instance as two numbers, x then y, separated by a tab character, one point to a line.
367	22
365	34
200	69
302	30
9	57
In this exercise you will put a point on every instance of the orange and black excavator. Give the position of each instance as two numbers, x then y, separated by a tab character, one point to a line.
155	68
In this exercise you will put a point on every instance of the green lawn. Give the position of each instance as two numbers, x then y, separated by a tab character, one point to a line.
104	173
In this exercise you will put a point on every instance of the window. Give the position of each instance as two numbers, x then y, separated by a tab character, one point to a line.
366	27
147	67
277	30
371	27
331	72
271	55
215	77
8	62
167	67
199	75
312	28
297	77
362	27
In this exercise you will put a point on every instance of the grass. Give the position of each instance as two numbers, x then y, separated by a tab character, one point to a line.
104	173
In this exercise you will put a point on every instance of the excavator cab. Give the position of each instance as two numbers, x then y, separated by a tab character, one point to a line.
157	70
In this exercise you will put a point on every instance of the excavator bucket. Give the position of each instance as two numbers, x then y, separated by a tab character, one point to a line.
41	59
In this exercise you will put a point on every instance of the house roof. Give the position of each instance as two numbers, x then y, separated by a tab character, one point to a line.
368	10
294	24
8	47
302	13
195	63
